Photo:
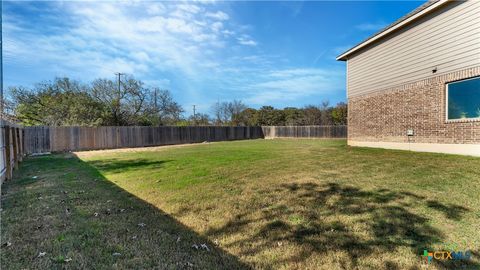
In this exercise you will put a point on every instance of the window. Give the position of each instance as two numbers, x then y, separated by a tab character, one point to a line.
463	99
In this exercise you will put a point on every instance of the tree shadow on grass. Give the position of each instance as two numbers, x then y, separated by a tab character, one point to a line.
450	211
342	219
116	165
73	212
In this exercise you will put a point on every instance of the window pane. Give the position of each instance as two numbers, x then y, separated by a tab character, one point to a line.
464	99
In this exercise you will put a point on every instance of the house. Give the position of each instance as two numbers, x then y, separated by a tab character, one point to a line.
415	85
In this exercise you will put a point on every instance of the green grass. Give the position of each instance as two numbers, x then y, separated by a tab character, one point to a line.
270	204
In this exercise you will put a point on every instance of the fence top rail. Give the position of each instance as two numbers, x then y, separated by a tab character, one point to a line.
223	126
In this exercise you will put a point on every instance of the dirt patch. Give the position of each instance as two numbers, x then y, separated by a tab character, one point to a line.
135	149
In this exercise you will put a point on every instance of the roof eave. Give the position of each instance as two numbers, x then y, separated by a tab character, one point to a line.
344	56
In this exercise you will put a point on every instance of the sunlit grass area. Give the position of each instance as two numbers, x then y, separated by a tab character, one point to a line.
269	204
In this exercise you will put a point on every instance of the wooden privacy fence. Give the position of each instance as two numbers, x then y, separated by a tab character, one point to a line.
40	139
305	131
12	148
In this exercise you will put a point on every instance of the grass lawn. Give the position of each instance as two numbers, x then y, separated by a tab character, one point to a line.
269	204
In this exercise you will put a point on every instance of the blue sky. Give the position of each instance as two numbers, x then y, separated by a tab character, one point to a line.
263	53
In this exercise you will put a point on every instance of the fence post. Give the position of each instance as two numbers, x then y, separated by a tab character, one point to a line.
20	144
8	164
15	147
24	151
3	169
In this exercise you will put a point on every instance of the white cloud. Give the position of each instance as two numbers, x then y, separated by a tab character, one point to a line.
217	26
292	84
141	56
155	9
228	32
246	40
219	15
104	37
189	8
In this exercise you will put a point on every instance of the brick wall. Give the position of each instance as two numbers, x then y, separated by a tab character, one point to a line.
386	115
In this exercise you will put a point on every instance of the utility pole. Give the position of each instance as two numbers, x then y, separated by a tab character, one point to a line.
155	99
194	116
156	106
118	96
119	74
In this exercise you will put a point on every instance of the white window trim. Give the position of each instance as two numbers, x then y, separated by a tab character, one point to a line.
472	119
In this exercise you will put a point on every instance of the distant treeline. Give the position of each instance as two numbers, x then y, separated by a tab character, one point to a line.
236	113
103	102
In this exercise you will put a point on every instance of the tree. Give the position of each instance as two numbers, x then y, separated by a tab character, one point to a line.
293	116
133	104
326	113
217	113
312	115
228	113
162	109
61	102
123	103
234	110
201	119
339	114
220	112
8	112
249	117
269	116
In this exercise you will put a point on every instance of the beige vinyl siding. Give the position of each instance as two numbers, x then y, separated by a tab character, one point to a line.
448	39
